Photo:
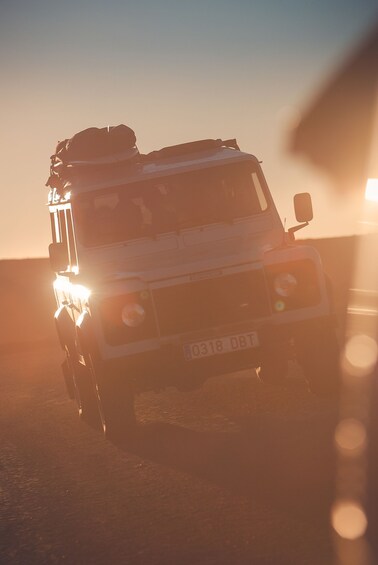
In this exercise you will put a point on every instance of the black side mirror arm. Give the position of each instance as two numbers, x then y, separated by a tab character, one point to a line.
291	231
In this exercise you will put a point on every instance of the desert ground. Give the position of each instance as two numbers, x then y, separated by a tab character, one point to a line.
235	472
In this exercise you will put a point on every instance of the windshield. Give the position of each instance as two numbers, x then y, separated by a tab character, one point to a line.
169	204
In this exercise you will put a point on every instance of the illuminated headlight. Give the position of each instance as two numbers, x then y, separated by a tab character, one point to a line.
285	284
133	315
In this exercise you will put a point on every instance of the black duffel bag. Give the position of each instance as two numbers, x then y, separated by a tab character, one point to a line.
94	143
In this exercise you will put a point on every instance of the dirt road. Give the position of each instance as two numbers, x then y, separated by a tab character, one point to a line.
235	472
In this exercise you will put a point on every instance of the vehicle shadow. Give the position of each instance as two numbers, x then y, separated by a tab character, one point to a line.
288	463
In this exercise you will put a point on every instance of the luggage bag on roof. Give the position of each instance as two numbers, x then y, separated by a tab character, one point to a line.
94	143
90	148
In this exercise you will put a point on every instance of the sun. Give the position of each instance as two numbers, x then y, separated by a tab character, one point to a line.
371	191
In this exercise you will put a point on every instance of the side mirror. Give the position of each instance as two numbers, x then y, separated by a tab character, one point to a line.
303	207
58	256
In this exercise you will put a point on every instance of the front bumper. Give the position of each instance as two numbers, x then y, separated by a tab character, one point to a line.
167	366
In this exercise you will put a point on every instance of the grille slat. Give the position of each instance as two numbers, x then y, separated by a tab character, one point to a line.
211	302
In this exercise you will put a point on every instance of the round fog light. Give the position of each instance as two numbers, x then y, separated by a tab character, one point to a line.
133	315
285	284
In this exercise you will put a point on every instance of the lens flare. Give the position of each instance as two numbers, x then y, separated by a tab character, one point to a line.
371	191
76	290
360	355
349	520
350	436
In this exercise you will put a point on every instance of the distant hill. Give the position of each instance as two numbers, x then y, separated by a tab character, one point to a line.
26	302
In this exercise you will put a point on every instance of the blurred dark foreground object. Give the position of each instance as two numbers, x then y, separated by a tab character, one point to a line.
372	473
335	133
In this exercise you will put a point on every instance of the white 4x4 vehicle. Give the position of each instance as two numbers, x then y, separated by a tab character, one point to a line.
175	267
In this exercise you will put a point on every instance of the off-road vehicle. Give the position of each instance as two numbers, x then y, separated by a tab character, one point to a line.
173	267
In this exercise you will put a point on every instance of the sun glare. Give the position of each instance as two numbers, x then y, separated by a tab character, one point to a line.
349	520
371	192
360	355
350	436
77	290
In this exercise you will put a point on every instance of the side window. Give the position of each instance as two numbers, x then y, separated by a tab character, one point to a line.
63	233
259	191
61	230
55	231
71	240
62	227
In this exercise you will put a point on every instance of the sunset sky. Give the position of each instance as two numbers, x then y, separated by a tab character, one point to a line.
173	71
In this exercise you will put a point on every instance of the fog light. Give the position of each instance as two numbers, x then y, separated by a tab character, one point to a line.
285	284
133	315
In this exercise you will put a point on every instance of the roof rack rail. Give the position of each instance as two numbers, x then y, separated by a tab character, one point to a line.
190	147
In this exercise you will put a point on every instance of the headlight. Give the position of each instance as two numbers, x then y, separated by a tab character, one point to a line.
285	284
133	315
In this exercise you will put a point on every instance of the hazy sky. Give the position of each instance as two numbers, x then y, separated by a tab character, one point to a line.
174	71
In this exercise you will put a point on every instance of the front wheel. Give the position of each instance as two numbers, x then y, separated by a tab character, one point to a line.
79	383
318	353
115	400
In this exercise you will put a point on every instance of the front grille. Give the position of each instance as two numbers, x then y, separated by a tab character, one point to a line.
211	302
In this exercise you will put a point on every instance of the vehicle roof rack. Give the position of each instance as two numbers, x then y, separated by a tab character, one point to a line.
62	173
190	147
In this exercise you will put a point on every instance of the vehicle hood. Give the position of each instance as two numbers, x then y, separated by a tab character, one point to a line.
175	255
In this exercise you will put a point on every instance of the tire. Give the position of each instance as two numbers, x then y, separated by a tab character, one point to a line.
68	378
318	353
79	378
115	401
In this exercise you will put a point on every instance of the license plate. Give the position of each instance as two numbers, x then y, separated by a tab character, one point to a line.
220	345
